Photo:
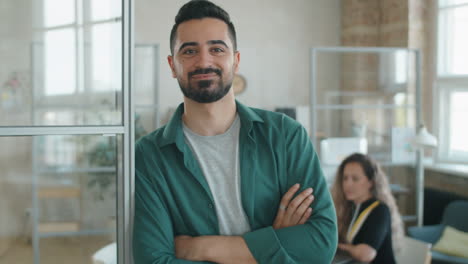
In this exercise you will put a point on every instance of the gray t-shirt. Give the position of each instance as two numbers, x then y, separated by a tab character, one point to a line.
218	157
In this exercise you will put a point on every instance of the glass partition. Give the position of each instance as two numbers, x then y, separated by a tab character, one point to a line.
65	119
380	130
367	100
368	93
365	78
58	197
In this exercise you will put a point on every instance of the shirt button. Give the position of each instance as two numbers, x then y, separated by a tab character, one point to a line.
210	206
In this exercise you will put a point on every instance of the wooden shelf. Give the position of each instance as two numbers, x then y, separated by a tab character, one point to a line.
58	227
59	192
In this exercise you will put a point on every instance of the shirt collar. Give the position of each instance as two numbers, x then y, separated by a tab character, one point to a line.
173	132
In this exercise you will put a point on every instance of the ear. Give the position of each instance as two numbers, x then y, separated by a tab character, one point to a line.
236	61
170	60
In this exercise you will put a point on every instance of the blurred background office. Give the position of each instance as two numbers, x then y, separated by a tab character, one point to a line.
363	72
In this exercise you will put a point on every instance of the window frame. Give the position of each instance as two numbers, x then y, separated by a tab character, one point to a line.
82	27
446	84
446	87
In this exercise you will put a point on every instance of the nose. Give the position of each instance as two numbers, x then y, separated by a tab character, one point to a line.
204	59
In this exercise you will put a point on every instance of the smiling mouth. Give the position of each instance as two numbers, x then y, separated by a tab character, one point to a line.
204	76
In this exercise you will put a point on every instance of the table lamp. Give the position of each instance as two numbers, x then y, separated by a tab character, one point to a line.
422	140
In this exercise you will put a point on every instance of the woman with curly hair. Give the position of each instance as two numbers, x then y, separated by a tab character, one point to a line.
368	218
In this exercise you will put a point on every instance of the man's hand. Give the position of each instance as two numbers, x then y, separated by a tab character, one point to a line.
295	212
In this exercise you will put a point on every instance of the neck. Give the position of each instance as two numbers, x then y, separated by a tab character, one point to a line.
362	199
212	118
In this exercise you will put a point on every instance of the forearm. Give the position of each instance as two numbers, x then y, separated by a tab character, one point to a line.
360	252
293	245
218	249
226	249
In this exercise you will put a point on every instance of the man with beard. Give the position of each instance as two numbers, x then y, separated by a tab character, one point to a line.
218	183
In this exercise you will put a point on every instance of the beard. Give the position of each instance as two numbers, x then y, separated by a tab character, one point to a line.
205	91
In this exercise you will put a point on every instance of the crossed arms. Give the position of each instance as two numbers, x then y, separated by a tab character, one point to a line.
233	249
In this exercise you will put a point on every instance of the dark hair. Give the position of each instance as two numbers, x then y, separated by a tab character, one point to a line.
368	165
380	190
198	9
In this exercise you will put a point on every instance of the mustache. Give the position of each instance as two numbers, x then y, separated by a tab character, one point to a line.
205	71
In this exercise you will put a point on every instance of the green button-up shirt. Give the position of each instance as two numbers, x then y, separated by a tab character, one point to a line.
173	198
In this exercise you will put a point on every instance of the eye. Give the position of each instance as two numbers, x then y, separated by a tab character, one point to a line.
217	50
189	51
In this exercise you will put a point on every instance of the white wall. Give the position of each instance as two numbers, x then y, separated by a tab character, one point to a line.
274	38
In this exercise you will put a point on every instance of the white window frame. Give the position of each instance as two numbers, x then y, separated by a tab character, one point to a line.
446	87
446	84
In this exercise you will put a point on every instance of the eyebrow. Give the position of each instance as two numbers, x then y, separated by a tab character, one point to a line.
188	44
211	42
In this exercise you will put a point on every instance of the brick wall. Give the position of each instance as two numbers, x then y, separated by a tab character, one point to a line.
388	23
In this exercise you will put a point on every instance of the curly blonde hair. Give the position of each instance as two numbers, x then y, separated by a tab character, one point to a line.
380	190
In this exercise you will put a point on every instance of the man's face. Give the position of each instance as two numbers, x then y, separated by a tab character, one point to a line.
204	61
